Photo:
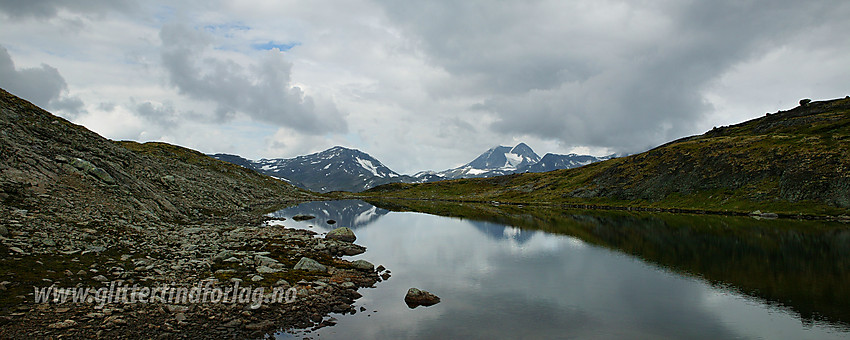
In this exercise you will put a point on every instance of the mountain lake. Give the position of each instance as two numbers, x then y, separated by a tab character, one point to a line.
520	272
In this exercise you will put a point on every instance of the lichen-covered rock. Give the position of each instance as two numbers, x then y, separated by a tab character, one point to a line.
310	265
363	265
343	234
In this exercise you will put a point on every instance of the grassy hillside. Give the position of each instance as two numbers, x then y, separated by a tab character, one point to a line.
789	162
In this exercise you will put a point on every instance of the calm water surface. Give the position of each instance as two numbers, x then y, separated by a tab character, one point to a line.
543	274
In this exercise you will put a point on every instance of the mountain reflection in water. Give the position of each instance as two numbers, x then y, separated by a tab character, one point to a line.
521	272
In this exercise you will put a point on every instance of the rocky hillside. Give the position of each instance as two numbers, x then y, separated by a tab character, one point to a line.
795	161
64	172
79	210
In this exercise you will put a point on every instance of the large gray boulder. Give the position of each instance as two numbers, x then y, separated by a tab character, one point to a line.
343	234
363	265
310	265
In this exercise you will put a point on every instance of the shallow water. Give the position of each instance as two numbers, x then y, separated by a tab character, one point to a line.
579	274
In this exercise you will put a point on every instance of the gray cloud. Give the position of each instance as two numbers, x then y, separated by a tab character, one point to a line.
162	114
263	90
45	9
617	75
43	86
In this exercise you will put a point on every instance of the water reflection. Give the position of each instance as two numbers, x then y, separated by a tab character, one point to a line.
346	213
512	273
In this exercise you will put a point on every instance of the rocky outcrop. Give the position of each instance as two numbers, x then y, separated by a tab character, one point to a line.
343	234
416	297
310	265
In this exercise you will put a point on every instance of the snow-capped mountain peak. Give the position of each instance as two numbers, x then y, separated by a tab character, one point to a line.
337	168
344	169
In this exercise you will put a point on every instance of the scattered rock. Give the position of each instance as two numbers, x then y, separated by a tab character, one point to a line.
416	297
100	278
176	308
180	317
222	255
266	270
233	323
331	221
95	249
261	260
3	231
363	265
89	168
62	324
310	265
343	234
16	250
258	326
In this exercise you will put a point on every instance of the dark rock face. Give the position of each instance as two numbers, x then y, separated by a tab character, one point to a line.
416	297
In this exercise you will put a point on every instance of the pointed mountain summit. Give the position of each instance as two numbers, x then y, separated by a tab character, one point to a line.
335	169
504	158
344	169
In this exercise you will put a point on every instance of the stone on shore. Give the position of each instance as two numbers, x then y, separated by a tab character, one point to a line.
343	234
310	265
363	265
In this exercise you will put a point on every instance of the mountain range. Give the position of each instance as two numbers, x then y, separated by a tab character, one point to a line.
344	169
785	163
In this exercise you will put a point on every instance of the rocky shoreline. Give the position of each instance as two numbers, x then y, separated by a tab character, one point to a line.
40	254
81	213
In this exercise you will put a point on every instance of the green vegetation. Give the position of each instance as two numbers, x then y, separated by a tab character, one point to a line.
792	162
171	153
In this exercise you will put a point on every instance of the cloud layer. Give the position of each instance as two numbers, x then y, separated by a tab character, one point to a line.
262	90
42	85
421	85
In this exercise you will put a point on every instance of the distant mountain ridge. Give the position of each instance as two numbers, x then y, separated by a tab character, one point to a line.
344	169
335	169
787	163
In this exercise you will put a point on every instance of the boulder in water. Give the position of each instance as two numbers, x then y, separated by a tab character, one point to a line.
416	297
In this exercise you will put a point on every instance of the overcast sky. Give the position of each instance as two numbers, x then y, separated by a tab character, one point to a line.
420	84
